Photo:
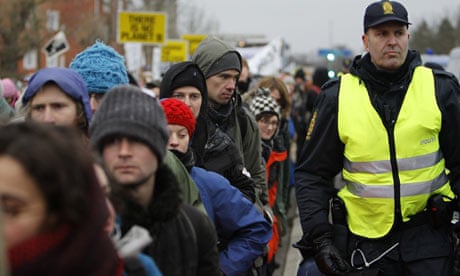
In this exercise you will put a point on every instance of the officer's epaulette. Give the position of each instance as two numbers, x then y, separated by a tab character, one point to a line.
443	73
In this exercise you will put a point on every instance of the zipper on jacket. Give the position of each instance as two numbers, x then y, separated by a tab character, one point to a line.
390	121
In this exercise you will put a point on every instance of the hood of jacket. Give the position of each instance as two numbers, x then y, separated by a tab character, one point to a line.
209	51
171	76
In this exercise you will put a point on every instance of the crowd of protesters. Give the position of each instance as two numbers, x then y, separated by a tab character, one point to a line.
192	178
193	174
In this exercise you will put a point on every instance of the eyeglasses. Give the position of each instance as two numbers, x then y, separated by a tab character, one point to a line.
273	123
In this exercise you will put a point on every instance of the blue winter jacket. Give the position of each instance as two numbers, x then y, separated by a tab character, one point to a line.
239	225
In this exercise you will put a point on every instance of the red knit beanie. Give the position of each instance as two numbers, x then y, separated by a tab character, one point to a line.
178	113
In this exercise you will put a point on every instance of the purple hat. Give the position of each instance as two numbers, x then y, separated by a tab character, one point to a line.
67	79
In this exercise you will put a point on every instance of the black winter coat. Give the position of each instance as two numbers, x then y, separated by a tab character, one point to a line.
184	239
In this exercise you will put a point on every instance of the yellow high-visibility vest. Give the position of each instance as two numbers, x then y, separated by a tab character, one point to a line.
369	193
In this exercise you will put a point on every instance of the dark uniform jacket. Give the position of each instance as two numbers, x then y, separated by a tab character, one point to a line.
322	157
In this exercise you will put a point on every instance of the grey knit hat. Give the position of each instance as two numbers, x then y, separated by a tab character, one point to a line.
229	61
127	111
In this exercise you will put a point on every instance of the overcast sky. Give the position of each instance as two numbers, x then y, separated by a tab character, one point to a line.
311	24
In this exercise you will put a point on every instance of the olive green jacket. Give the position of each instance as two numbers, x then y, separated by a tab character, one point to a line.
190	192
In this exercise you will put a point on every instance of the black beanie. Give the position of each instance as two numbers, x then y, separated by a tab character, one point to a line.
320	76
229	61
300	73
181	75
125	110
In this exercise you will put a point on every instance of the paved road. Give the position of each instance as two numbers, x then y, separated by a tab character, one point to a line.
287	256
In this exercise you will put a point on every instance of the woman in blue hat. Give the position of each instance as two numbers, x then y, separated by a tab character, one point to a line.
58	96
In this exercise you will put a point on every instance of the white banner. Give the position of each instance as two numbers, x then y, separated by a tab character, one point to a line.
269	59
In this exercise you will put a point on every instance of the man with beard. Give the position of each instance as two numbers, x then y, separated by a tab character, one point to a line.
130	133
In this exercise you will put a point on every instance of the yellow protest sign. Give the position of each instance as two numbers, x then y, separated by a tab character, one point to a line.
142	27
174	51
193	41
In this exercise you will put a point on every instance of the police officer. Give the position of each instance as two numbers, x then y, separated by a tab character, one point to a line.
391	127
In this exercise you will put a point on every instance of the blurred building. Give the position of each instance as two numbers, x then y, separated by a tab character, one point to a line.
73	25
66	27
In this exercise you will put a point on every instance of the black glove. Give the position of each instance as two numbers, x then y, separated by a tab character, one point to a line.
328	257
456	239
242	182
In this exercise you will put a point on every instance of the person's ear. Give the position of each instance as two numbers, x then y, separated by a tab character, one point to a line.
364	38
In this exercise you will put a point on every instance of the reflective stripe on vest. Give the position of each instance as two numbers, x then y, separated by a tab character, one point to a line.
369	192
387	191
404	164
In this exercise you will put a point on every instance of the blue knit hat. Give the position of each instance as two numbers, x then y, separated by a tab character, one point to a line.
68	80
101	68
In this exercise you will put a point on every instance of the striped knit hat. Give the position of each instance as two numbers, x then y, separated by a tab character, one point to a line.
127	111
